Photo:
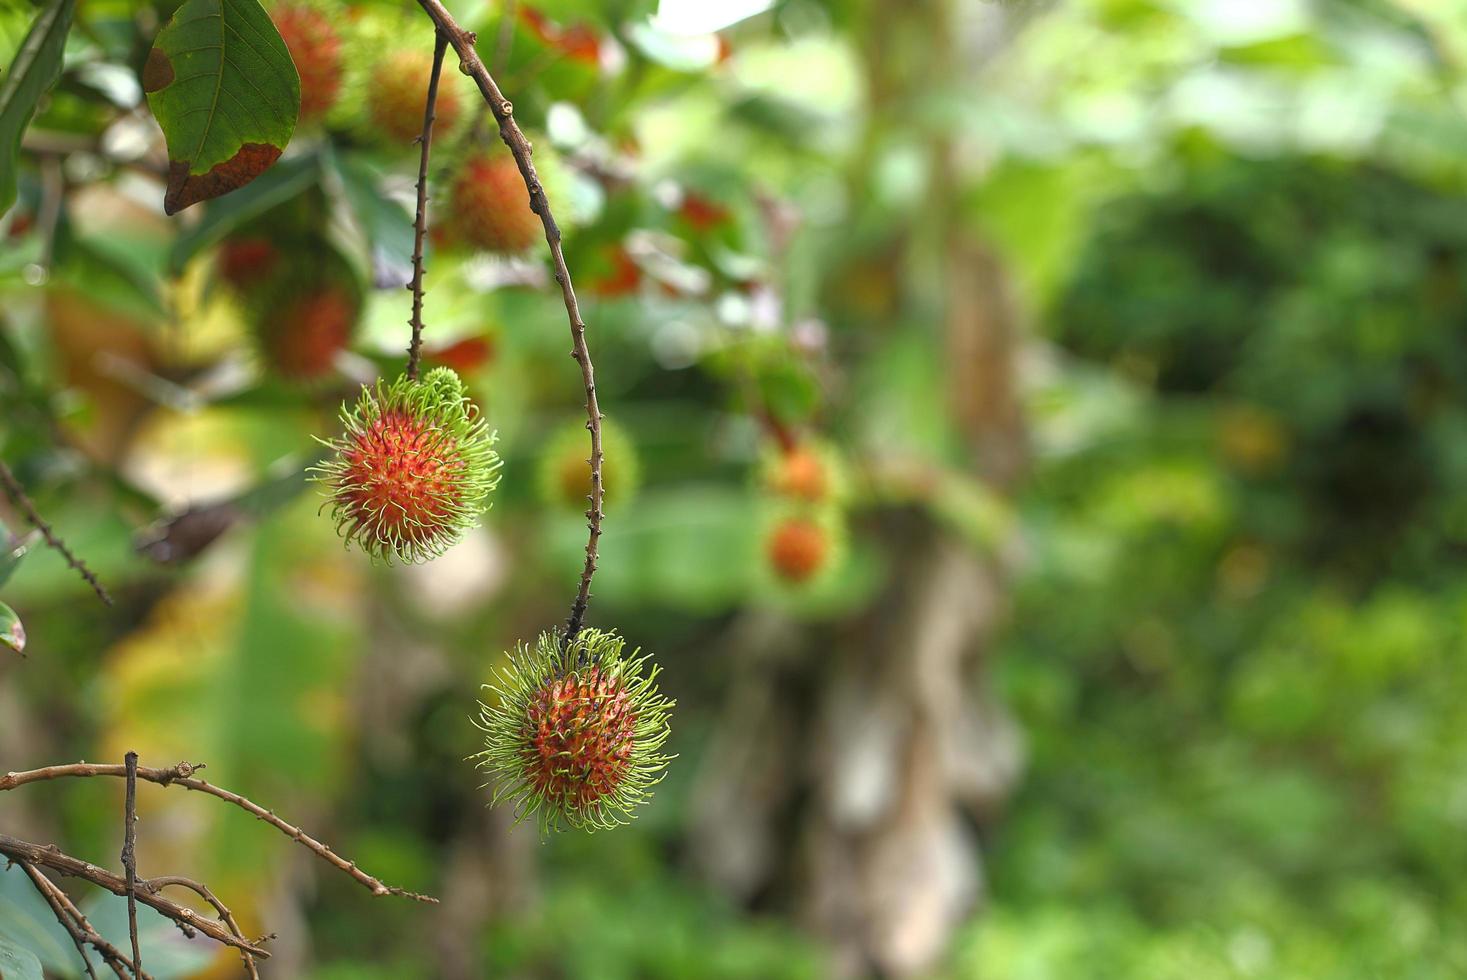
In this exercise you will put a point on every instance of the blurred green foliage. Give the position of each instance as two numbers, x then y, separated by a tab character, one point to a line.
1236	647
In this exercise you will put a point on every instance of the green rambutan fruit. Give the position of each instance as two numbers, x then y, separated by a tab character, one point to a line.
565	475
315	44
408	476
574	734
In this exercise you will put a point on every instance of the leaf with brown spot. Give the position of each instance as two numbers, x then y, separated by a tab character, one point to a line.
223	87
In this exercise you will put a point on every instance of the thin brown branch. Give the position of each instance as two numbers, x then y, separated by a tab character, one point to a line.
509	131
182	775
130	856
420	223
110	954
155	885
48	891
49	856
23	503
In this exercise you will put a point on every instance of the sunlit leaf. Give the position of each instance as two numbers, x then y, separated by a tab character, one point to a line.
223	87
34	70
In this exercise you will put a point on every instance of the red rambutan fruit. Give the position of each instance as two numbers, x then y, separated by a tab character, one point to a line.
409	474
315	47
246	261
489	208
575	732
798	549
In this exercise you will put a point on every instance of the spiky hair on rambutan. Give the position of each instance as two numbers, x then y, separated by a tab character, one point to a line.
574	731
408	475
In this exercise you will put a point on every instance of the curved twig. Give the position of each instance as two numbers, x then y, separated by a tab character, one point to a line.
49	856
509	131
182	775
155	885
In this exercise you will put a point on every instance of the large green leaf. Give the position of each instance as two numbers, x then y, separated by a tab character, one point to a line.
35	69
223	87
18	963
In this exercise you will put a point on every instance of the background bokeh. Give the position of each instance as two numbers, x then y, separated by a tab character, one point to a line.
1128	336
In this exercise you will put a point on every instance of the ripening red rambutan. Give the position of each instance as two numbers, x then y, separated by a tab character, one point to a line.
246	261
408	476
575	732
315	47
398	90
798	549
301	325
489	208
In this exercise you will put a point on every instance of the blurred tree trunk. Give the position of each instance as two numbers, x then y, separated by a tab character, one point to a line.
854	761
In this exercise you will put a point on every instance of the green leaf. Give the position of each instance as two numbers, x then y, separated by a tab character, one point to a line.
35	69
12	633
18	963
223	87
387	225
26	922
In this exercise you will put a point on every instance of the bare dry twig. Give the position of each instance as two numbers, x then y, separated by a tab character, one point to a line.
130	857
49	856
182	775
23	503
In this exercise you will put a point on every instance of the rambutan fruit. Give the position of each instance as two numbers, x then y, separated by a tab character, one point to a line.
303	314
315	46
565	475
246	261
488	206
574	732
398	89
807	472
408	476
798	549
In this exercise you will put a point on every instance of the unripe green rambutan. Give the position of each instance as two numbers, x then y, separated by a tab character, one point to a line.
408	476
398	90
565	475
315	47
574	735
